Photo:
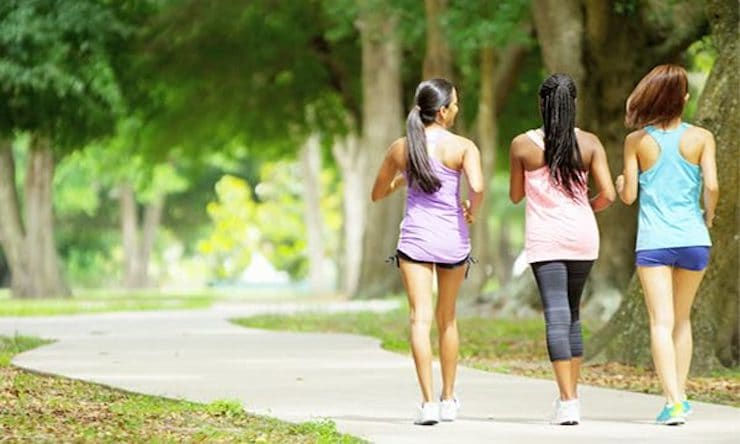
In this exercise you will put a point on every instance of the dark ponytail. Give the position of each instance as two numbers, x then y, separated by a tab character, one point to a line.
558	108
431	95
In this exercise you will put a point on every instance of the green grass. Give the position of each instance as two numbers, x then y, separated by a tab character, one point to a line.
98	302
501	345
36	408
479	337
11	346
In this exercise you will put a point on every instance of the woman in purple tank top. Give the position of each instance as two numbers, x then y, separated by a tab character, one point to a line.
434	232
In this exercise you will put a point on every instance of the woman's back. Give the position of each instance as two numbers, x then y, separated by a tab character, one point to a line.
433	228
558	224
670	184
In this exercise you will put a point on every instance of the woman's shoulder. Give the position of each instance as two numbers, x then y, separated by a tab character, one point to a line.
458	143
698	132
587	139
397	151
459	140
524	140
636	136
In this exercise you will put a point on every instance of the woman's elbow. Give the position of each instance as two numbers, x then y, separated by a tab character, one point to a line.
610	197
476	187
712	188
515	197
375	196
627	199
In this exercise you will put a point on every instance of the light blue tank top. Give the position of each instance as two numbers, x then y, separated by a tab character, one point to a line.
670	216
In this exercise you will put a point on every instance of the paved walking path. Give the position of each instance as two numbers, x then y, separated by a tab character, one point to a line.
368	392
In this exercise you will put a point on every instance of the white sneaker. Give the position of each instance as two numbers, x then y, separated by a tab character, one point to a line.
448	409
566	412
428	414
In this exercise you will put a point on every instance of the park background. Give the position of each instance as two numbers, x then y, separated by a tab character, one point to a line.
165	154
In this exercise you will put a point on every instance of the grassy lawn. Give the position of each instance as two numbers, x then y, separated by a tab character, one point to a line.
100	301
506	346
36	408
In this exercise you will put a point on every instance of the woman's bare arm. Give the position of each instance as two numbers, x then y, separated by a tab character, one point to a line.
389	177
602	178
709	175
516	171
474	174
627	182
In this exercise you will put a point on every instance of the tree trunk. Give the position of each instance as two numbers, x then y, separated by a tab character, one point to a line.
12	235
310	160
438	58
150	226
487	133
352	164
606	53
717	316
44	275
499	71
715	327
138	243
129	235
382	116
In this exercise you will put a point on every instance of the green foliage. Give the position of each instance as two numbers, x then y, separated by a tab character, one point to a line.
76	184
56	69
235	70
280	218
229	408
91	266
234	237
701	55
473	25
700	58
476	24
625	7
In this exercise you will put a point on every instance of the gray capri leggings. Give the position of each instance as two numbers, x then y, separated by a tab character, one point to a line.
561	284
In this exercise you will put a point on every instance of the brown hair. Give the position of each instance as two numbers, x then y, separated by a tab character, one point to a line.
658	98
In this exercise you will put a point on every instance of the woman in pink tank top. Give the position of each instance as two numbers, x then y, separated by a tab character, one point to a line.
434	233
550	167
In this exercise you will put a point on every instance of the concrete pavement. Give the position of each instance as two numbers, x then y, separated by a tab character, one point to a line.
200	356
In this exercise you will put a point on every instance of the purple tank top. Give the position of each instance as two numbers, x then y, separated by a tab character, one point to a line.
433	228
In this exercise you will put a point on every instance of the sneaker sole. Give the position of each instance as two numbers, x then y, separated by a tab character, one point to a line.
566	423
673	422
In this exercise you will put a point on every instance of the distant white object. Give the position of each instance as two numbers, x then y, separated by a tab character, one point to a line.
261	271
520	264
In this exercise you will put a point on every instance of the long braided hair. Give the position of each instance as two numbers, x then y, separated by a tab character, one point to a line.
558	109
431	95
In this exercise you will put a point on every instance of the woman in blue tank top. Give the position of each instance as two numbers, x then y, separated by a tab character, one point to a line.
667	160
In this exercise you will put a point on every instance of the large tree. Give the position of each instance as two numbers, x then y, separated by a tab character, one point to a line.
607	46
58	73
716	326
382	114
491	42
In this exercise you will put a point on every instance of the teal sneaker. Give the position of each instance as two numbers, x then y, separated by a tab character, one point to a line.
687	408
671	415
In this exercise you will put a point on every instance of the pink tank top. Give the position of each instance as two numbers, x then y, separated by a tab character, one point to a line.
557	226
